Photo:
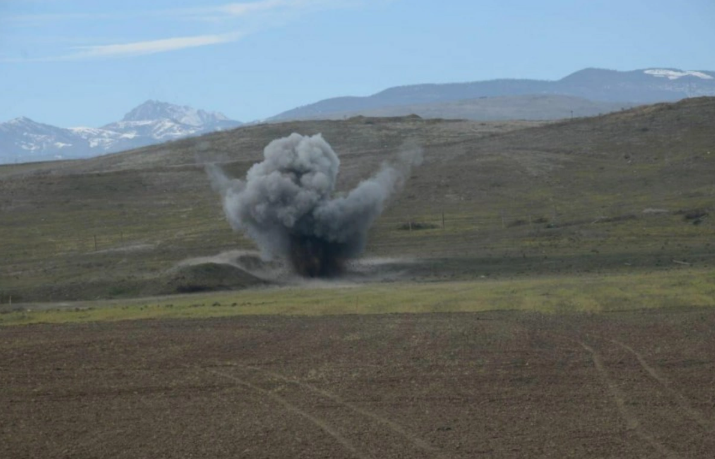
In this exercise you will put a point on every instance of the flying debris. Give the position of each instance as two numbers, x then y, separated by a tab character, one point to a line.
287	205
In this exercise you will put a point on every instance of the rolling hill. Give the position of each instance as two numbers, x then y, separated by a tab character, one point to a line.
626	191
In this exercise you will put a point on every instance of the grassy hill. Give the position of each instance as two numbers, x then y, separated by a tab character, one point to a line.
627	191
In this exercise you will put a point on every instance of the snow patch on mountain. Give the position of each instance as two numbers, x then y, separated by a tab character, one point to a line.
153	110
675	74
23	139
97	138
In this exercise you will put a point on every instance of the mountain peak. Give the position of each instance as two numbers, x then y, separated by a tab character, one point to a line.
149	123
151	109
155	110
590	74
25	123
21	120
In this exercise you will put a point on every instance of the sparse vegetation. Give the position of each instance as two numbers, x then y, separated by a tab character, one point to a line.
681	286
542	246
696	214
416	226
116	226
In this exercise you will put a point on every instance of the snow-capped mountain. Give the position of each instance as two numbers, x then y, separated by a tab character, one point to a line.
156	110
24	140
675	74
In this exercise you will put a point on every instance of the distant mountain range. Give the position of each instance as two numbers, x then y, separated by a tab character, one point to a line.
597	85
24	140
499	108
587	92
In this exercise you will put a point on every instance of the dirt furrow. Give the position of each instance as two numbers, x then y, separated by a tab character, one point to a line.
631	420
679	398
395	427
323	425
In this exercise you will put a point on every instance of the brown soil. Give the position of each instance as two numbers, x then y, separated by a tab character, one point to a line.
500	384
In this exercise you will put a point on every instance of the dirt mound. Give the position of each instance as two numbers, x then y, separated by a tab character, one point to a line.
197	277
207	277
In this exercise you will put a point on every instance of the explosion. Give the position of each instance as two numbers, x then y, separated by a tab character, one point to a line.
287	205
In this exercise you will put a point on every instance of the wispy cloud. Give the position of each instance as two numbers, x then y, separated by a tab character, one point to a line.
242	9
224	11
138	48
266	9
232	15
141	48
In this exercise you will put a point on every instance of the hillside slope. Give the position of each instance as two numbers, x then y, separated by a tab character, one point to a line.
624	191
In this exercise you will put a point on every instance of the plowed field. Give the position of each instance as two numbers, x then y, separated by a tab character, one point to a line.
500	384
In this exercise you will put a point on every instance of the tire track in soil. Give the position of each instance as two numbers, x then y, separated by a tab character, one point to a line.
679	398
632	422
392	425
324	426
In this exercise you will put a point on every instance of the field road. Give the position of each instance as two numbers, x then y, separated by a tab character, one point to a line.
494	384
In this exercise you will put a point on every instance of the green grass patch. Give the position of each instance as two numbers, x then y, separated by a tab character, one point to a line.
686	287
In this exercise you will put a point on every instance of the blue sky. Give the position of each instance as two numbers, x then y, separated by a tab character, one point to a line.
72	63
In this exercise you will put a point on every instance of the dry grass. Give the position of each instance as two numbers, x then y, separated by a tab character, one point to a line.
572	294
578	188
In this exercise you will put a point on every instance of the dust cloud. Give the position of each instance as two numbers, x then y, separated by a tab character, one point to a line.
287	203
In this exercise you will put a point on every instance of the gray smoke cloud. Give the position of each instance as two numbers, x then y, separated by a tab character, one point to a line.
287	205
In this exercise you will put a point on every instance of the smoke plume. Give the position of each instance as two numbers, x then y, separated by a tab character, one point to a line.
287	205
